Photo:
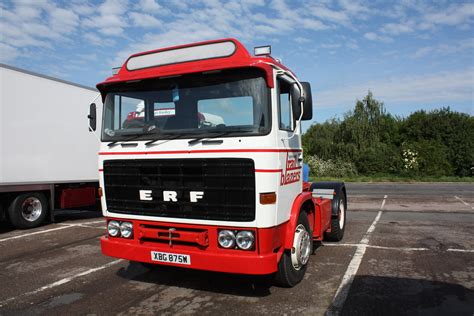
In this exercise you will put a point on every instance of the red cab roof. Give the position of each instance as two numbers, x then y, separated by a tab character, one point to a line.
238	58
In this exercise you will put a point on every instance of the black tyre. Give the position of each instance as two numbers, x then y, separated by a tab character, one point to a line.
338	223
293	264
28	210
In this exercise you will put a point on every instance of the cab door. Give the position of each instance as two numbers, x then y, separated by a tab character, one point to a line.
290	154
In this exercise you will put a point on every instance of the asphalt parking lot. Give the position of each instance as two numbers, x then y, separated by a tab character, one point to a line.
408	249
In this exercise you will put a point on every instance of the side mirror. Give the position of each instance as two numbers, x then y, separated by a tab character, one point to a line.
307	101
92	118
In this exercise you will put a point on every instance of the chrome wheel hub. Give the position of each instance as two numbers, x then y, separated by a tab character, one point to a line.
341	214
31	209
301	247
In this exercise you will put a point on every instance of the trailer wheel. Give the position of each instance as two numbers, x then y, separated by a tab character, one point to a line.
28	210
338	223
293	263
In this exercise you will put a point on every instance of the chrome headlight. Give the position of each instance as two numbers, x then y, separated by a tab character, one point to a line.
245	239
226	238
126	229
113	227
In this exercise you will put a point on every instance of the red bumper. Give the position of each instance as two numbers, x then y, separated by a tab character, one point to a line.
263	259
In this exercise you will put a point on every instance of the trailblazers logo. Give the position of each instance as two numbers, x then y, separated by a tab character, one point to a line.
292	171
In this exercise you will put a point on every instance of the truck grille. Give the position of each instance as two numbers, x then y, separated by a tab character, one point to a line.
228	185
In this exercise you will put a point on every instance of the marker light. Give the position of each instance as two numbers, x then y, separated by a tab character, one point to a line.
226	239
126	229
268	198
262	50
113	227
245	239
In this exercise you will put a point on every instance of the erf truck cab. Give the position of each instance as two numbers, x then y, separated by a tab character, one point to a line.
210	176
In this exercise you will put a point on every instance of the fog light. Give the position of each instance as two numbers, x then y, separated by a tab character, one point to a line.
113	228
245	239
226	239
126	229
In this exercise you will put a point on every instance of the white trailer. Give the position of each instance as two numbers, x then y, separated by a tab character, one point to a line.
48	157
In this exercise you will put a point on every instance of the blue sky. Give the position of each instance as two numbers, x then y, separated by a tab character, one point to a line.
411	54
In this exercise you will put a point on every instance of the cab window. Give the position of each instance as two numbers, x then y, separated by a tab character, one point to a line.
284	111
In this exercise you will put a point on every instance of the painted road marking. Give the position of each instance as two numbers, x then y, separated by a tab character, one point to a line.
460	250
61	282
383	202
82	225
378	247
396	248
343	289
463	202
34	233
63	226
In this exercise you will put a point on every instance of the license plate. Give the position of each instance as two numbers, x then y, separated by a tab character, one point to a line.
170	257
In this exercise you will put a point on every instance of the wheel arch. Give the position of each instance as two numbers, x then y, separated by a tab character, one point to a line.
302	203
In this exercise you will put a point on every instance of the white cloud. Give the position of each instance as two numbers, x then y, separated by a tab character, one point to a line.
63	21
371	36
356	8
398	28
151	6
144	20
330	45
83	8
327	14
445	49
96	40
421	52
302	40
456	14
8	53
36	24
437	88
111	19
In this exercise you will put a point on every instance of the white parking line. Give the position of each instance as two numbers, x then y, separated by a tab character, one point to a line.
460	250
343	289
93	222
60	282
395	248
35	233
63	226
463	202
377	247
82	225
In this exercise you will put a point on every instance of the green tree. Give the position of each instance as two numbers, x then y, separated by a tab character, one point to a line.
451	131
436	143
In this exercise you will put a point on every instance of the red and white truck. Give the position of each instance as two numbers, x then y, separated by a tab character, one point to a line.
210	177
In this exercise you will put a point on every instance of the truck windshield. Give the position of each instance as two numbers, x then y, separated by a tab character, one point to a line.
227	102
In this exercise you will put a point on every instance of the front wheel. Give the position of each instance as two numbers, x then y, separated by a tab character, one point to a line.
293	263
28	210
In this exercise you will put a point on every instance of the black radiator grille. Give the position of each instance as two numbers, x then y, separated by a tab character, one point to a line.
228	185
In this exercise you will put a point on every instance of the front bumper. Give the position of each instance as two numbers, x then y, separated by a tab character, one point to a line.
262	260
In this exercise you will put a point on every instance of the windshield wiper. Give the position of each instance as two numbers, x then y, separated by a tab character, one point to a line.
124	140
147	129
162	134
217	134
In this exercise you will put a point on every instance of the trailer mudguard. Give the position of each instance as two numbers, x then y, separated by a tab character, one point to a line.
301	199
339	189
